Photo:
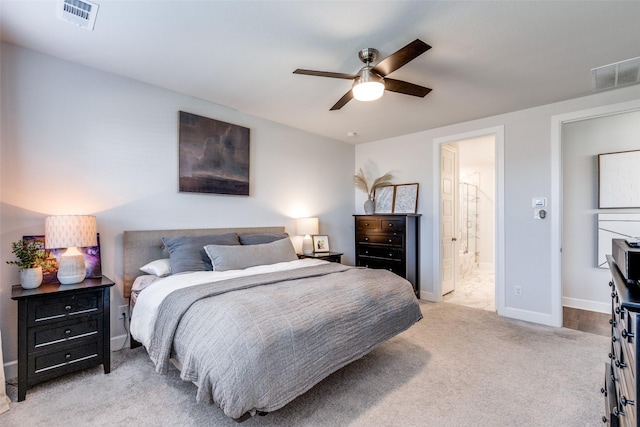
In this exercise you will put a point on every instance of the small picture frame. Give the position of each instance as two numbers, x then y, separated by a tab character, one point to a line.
384	199
320	243
406	198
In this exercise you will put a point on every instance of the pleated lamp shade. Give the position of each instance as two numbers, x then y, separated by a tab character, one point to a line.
71	232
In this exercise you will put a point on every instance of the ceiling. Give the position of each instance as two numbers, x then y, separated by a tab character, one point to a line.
488	57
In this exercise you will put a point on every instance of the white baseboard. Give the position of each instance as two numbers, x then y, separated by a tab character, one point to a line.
117	343
530	316
600	307
429	296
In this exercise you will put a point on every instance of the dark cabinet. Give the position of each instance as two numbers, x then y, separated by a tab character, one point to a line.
620	386
390	242
61	329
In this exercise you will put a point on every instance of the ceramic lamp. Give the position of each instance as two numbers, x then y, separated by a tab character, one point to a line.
71	232
307	227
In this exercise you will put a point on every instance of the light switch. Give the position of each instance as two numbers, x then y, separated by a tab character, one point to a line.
539	202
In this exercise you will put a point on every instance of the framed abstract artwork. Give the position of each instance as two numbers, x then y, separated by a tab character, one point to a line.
618	184
406	198
91	254
384	199
213	156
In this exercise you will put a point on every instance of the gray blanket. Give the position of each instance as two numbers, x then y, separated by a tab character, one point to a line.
255	343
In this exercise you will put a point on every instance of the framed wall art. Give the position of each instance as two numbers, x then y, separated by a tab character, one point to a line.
320	243
213	156
406	198
384	199
618	184
92	260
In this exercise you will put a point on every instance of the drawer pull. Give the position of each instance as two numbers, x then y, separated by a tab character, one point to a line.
614	379
366	224
620	364
619	310
626	334
605	420
618	412
67	332
611	356
603	391
626	402
67	307
612	322
390	255
614	339
67	356
390	225
366	239
390	240
611	283
613	294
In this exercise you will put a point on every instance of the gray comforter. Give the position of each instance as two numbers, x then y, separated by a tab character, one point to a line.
255	343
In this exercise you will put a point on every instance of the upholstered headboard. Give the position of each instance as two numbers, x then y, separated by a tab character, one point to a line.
142	247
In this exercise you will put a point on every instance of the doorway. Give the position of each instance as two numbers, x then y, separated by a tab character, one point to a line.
468	171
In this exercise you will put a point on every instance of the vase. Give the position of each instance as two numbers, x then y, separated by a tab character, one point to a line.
369	207
31	278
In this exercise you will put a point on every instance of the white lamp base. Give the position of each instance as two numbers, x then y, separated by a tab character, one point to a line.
307	245
71	269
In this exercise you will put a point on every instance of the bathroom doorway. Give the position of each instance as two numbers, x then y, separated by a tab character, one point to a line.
473	244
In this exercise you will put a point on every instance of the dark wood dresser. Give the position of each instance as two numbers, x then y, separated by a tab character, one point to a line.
61	329
390	241
620	387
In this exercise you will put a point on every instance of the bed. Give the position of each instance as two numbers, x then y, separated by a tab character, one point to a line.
248	322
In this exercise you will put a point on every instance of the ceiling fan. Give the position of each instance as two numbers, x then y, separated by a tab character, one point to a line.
371	82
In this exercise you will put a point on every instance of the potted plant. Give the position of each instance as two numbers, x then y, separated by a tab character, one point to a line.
361	182
31	258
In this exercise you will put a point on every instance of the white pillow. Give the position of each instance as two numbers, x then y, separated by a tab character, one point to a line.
244	256
159	267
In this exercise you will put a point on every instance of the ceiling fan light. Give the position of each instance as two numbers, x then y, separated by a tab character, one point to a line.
368	86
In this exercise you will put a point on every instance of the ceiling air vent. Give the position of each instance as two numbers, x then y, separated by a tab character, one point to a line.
79	12
615	75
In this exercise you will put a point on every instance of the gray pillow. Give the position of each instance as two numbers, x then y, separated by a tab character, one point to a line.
245	256
186	253
260	239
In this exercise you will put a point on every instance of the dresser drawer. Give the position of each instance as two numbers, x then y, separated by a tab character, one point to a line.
396	267
56	334
390	253
380	239
369	224
55	309
610	399
64	360
392	225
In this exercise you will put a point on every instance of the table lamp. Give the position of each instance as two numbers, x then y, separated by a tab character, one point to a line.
71	232
306	227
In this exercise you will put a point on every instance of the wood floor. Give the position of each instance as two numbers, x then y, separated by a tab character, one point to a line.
586	321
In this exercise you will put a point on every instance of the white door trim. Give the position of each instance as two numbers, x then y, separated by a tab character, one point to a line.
498	132
556	192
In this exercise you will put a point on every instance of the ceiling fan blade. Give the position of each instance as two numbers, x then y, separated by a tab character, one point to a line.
405	88
325	74
341	103
401	57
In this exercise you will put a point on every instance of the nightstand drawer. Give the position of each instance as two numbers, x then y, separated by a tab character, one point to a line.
55	309
63	332
63	360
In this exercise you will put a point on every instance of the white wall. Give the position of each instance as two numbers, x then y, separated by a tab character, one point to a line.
582	141
528	169
79	141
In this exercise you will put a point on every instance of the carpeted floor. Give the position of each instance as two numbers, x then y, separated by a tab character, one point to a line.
458	366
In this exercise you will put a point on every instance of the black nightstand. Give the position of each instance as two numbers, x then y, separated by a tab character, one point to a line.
327	256
62	329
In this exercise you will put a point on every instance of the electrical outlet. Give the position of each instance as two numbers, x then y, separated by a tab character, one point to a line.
517	291
123	311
